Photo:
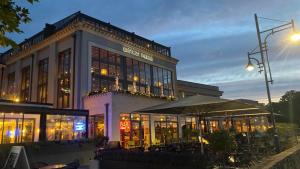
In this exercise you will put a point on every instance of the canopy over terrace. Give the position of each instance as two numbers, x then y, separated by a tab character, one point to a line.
207	106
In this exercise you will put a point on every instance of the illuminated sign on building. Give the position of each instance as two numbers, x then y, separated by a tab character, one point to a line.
79	126
137	53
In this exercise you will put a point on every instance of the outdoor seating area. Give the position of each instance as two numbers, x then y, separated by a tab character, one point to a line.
226	149
226	133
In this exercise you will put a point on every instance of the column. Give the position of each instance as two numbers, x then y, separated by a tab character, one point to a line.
77	67
43	121
34	78
18	77
179	126
52	75
152	129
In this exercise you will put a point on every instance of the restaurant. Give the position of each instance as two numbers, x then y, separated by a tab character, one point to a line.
175	121
20	123
84	78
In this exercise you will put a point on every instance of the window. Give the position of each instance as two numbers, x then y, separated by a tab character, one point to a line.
25	84
134	130
105	70
140	77
42	81
62	127
64	75
155	81
11	86
18	128
166	129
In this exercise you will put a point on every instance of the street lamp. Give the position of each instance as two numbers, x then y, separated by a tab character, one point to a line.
295	37
263	61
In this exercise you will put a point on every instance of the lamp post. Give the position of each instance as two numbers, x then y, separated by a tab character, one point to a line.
263	61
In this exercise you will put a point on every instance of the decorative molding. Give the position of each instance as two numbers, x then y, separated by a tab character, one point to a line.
85	26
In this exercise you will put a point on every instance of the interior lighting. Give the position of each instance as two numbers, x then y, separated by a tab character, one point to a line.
103	72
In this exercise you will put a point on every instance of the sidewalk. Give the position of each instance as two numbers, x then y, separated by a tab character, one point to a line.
271	161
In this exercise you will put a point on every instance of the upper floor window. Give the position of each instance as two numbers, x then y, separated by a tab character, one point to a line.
106	72
110	70
25	84
64	77
138	76
11	86
42	81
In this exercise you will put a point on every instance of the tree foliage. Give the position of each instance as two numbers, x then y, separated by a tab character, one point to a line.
11	16
288	107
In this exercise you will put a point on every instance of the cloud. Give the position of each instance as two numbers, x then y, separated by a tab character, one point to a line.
210	38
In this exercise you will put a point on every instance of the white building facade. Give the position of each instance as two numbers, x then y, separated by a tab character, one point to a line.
80	62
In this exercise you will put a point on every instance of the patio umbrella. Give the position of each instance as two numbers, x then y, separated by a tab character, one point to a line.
200	105
208	105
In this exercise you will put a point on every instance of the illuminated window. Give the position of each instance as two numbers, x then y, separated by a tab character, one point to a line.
134	130
64	77
134	75
166	129
61	127
18	128
25	84
11	86
42	81
105	68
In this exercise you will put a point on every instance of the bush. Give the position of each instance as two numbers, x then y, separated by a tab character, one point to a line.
222	142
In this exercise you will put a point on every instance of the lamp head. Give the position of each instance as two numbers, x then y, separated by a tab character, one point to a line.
249	66
295	37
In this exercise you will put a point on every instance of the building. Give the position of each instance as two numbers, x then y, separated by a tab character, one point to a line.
186	89
82	77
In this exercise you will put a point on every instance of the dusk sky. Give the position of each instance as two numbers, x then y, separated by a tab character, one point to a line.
209	38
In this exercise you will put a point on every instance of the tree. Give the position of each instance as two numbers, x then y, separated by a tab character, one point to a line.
288	107
11	16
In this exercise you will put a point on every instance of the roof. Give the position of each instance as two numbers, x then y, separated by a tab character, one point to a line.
205	105
198	88
34	108
205	86
50	29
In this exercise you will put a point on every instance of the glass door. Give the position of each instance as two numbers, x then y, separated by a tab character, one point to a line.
165	132
28	130
145	127
9	131
125	127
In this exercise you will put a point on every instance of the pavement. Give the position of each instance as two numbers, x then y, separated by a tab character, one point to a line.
269	162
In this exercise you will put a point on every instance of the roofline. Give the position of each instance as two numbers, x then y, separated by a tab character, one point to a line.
79	15
204	86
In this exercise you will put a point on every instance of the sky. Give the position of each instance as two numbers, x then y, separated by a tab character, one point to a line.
210	38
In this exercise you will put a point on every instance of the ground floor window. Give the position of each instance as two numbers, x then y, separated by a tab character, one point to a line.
189	128
96	125
135	130
259	124
166	129
63	127
18	128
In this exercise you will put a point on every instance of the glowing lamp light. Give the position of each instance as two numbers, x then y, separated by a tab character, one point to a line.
295	37
103	72
17	100
135	78
249	66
